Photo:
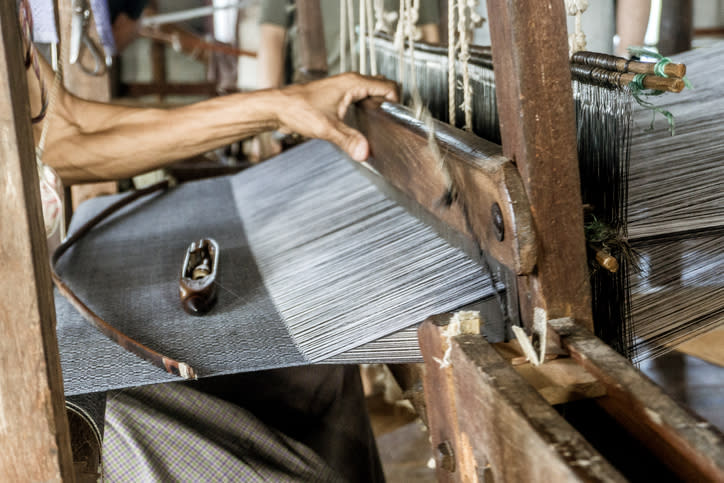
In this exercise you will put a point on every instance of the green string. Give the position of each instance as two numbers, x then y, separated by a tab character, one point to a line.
660	64
638	91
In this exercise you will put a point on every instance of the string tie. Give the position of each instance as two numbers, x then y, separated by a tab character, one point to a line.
638	91
661	62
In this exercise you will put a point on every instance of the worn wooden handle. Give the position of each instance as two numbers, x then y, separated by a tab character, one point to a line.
619	64
668	84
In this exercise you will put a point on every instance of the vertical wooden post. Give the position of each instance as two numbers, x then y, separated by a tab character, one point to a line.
34	440
677	26
312	49
93	88
537	125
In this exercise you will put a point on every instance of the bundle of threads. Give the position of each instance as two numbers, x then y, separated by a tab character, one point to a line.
605	88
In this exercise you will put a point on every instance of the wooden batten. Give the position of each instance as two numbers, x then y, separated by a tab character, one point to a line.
33	427
481	176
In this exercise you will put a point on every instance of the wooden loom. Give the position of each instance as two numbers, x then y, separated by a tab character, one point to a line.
486	421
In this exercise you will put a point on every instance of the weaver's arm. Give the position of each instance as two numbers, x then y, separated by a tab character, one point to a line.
90	141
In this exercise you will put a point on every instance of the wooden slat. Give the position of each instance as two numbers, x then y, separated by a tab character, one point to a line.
498	427
34	440
559	380
401	153
537	125
690	446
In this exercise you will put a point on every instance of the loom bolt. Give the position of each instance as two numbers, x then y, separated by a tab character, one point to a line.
445	456
498	223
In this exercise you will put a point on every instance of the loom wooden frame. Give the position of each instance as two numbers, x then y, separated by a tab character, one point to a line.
485	421
515	413
34	433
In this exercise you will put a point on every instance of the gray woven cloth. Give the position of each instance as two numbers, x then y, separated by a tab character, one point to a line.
315	262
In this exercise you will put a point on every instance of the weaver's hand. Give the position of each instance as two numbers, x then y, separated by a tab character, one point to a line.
316	109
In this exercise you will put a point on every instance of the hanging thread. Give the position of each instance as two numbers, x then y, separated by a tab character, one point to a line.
371	29
451	60
577	39
343	36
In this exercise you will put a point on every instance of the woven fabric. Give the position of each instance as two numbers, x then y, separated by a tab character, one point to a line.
127	270
314	262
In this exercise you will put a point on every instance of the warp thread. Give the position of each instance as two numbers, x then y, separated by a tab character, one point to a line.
577	39
638	91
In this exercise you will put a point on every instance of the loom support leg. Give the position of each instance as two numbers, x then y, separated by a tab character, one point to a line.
492	416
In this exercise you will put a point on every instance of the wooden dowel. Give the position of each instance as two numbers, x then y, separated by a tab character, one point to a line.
619	79
668	84
606	260
619	64
671	70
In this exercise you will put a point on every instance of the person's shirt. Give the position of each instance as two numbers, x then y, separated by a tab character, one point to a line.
283	13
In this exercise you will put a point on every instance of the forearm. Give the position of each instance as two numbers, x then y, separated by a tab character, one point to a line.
90	141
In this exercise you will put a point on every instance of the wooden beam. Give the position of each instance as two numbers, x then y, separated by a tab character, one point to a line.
33	426
488	424
537	125
484	179
677	26
690	446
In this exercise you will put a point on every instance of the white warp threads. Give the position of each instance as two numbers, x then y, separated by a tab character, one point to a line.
377	241
577	39
371	24
459	39
464	58
399	43
351	34
362	37
451	60
343	36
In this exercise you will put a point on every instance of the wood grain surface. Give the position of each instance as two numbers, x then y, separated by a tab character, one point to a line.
33	426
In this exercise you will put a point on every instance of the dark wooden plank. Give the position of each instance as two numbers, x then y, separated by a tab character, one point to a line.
497	426
312	49
677	26
401	153
33	426
690	446
537	125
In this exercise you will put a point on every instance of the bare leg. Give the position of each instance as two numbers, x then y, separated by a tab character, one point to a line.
632	18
